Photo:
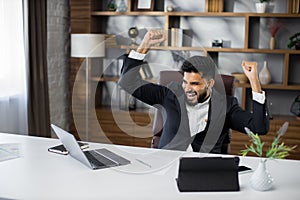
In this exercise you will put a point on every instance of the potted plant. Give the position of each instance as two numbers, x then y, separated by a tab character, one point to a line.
261	179
261	6
112	6
294	41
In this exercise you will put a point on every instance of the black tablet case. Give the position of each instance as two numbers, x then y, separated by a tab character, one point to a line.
207	174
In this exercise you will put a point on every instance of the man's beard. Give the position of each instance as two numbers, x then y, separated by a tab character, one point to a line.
202	97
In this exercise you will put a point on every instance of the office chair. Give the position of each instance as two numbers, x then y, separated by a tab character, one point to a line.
167	76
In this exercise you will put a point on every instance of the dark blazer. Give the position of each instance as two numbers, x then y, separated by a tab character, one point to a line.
224	112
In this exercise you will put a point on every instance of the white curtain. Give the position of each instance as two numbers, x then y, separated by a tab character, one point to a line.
13	98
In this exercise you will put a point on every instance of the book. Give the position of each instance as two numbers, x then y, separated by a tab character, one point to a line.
173	37
214	5
176	37
296	6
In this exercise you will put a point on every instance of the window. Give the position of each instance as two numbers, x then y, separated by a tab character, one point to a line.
13	101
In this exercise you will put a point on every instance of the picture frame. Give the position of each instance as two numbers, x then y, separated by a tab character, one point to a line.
144	5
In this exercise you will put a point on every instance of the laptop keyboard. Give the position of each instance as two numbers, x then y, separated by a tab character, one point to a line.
98	160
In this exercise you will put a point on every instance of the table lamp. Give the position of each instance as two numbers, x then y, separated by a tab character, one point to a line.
87	46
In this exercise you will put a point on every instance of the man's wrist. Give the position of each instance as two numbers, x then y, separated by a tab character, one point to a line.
260	97
142	50
255	85
136	55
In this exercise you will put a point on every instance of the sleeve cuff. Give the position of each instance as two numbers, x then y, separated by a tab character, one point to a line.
259	97
135	55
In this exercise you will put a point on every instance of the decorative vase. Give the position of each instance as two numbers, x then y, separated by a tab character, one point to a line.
261	7
122	6
272	43
265	75
261	179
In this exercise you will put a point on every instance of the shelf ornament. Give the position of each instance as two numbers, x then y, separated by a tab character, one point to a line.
274	28
112	5
261	179
264	75
295	108
261	6
294	41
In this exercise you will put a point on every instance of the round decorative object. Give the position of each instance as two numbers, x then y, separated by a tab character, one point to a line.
261	179
170	8
133	33
265	74
295	108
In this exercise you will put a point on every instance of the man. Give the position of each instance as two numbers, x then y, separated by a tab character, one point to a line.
197	116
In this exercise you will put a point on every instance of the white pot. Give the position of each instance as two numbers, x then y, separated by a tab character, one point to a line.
261	179
265	76
261	7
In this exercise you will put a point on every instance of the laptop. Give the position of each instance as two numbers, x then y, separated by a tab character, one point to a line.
95	159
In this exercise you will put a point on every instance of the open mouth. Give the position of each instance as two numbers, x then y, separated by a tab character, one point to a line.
191	95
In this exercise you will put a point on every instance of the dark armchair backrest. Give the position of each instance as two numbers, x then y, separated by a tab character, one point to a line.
167	76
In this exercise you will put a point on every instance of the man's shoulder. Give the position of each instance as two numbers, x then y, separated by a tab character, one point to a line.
175	86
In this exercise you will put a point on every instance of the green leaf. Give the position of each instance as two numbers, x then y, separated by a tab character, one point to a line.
275	151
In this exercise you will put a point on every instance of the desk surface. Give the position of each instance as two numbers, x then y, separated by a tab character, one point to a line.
39	174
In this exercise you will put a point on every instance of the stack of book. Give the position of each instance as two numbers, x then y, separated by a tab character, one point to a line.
214	5
181	37
176	37
295	4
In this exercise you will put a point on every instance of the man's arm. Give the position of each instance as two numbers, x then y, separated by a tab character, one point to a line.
131	82
250	70
258	119
135	58
151	38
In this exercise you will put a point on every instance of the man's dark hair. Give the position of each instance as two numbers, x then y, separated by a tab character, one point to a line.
199	64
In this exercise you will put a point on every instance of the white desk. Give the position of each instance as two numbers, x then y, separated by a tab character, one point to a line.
39	174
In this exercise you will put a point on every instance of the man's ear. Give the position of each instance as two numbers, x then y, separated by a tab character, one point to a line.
211	83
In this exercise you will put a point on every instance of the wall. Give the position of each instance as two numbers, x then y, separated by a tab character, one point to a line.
58	20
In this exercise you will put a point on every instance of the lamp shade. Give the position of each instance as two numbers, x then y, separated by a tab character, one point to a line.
87	45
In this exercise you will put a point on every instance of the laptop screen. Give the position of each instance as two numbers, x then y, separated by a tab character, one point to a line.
71	145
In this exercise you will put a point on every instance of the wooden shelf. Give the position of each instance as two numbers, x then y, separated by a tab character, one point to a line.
133	13
114	79
215	49
105	79
192	14
271	86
